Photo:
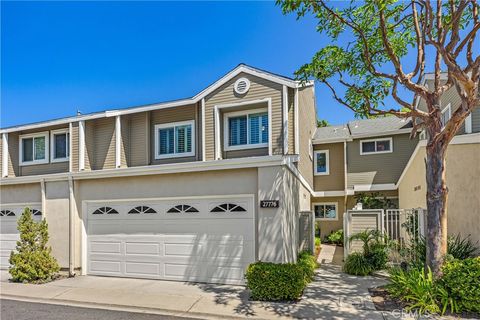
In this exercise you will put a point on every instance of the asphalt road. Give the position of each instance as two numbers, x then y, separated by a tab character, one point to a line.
19	310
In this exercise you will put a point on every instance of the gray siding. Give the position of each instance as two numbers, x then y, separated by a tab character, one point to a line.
100	144
135	138
75	146
335	180
378	168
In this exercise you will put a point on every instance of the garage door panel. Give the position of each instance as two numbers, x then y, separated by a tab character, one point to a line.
199	245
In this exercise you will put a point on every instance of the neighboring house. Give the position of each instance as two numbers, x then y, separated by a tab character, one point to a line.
462	171
362	156
171	190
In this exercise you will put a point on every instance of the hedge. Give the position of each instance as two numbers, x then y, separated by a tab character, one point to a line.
280	281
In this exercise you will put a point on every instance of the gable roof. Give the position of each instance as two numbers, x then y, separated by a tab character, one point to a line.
241	68
362	128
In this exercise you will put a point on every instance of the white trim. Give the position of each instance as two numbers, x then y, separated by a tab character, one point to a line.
5	155
322	194
327	162
44	198
310	149
334	140
217	151
226	136
81	145
118	137
174	154
362	153
270	136
71	228
345	167
182	167
33	136
204	153
468	123
374	187
70	148
285	118
449	108
297	128
52	145
325	204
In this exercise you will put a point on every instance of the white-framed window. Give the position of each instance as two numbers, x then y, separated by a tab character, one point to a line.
375	146
321	162
326	210
246	129
60	145
34	148
173	140
446	115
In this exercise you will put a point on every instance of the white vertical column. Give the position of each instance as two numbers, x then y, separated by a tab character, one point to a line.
296	129
270	143
70	148
285	118
5	155
44	198
217	135
468	124
118	137
81	145
203	131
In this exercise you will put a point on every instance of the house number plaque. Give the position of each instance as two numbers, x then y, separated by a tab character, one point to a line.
269	203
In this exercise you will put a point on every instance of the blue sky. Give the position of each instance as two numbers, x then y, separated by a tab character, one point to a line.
58	57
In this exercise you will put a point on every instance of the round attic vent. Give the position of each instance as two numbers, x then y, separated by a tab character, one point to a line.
242	85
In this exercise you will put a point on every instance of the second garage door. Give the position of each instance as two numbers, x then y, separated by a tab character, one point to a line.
185	239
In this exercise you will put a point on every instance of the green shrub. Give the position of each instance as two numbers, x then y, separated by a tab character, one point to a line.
461	278
275	282
336	237
357	264
32	260
308	264
318	242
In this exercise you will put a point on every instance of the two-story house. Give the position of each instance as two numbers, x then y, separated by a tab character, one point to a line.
192	190
362	156
462	174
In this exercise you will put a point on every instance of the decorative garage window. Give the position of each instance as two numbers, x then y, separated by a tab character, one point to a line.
7	213
182	208
36	212
141	209
105	210
228	207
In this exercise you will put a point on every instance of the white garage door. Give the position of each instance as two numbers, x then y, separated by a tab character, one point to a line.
9	235
185	239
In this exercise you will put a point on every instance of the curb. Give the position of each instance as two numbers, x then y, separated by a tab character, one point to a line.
115	307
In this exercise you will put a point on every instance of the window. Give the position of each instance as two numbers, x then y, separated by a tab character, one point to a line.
446	115
322	162
326	211
34	148
183	208
141	209
228	207
7	213
60	145
175	140
372	146
105	210
245	130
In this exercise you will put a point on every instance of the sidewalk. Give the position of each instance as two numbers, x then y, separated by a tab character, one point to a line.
333	295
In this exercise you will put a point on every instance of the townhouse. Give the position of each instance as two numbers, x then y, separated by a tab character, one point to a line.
194	189
362	156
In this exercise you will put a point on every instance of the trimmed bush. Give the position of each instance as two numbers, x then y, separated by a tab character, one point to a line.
357	264
275	282
308	264
377	257
32	260
461	278
336	237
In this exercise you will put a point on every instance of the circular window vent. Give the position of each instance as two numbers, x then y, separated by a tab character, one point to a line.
242	85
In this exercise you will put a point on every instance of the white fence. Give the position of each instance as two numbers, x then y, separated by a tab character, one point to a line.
401	226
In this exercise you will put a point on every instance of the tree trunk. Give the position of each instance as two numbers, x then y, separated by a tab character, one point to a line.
436	234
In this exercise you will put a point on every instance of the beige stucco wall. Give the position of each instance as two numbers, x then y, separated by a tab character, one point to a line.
463	182
327	226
